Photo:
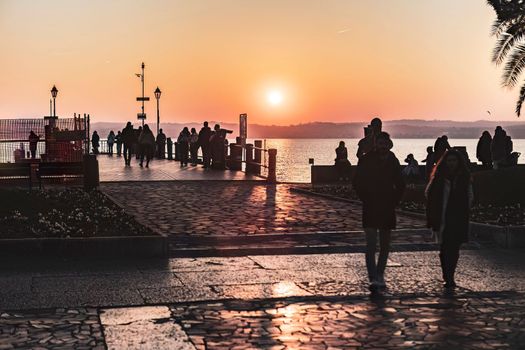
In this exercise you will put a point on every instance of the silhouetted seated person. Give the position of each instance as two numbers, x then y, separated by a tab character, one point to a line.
483	150
342	164
502	150
411	170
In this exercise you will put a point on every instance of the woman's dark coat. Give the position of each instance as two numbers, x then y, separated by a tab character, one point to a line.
380	185
457	212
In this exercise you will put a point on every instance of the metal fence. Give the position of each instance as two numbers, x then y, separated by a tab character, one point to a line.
56	140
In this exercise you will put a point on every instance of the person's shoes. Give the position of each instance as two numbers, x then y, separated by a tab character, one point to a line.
450	285
140	164
147	165
381	281
374	286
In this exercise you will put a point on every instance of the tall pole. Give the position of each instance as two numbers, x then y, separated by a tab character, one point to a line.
54	108
158	116
50	107
142	79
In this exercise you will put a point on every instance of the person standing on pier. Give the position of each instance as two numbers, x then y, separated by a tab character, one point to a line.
128	139
194	146
33	142
110	140
379	184
118	141
95	142
449	198
161	145
204	143
147	145
184	146
483	150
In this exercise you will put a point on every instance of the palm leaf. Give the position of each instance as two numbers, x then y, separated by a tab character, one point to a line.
506	41
521	99
514	66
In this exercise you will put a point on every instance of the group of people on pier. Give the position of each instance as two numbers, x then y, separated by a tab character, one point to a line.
379	183
142	143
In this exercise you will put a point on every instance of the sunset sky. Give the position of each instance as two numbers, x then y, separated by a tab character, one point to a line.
280	61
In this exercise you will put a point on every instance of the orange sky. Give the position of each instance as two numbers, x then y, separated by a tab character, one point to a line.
331	60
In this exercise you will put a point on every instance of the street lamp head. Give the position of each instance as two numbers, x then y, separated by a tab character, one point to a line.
157	93
54	91
143	65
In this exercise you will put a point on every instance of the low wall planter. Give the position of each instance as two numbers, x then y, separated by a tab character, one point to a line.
138	246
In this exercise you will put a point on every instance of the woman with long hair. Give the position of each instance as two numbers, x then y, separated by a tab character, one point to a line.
147	145
449	198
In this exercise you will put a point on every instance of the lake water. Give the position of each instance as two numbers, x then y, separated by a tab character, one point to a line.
293	154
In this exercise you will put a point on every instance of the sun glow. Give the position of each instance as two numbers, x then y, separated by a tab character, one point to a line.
275	97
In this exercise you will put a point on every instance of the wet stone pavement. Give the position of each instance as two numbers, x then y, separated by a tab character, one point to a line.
312	301
241	209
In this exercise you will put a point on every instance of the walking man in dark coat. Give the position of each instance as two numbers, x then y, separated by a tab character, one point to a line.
380	185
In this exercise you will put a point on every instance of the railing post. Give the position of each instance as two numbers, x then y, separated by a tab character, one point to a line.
169	144
249	158
257	156
235	160
177	151
272	165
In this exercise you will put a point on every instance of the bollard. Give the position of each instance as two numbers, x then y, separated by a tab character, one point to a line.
272	165
257	158
91	175
235	159
169	143
177	151
249	158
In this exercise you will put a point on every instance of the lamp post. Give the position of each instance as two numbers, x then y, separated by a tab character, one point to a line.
157	96
54	93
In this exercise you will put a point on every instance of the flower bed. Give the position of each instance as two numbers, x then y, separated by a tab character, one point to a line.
70	213
502	215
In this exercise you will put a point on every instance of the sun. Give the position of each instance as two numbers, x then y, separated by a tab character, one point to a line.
275	97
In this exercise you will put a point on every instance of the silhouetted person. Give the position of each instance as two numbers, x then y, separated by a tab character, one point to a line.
440	147
161	145
429	161
483	150
136	145
499	148
194	146
184	146
95	142
449	198
147	145
110	141
217	144
33	143
342	164
204	143
411	170
379	184
118	141
128	140
367	143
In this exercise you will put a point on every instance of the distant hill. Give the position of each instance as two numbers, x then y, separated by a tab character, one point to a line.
397	128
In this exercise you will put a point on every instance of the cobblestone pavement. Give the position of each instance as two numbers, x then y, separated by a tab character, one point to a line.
238	209
285	301
72	328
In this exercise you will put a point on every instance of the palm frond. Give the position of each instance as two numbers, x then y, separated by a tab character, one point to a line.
506	42
514	66
521	99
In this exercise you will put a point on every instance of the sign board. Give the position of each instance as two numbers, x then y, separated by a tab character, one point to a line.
142	98
141	115
243	128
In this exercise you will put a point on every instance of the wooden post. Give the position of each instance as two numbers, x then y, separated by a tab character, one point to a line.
249	158
272	165
257	156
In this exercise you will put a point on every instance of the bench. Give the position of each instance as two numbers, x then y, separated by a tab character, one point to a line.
59	170
13	171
